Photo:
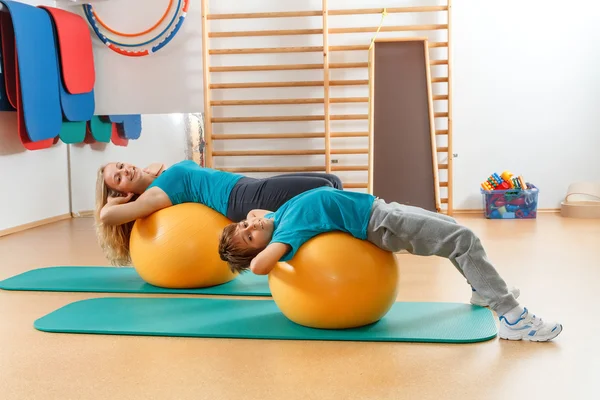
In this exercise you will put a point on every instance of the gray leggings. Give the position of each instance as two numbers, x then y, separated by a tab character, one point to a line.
396	227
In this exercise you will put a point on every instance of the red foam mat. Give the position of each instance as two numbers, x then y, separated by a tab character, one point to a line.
75	48
116	138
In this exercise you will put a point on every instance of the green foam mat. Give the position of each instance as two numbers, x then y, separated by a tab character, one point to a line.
121	280
261	319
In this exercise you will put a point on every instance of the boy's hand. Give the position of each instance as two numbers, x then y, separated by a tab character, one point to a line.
257	213
266	260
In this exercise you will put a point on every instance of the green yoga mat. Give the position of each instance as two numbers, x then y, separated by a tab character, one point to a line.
121	280
72	132
261	319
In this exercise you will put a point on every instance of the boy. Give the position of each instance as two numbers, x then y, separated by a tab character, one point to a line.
265	238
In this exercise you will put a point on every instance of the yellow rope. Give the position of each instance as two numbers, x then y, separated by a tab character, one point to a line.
383	15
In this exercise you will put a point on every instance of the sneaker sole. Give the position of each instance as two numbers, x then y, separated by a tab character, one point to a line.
546	338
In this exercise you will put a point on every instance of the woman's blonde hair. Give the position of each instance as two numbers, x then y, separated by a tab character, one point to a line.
113	239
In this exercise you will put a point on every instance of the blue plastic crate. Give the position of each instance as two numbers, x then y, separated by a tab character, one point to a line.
511	203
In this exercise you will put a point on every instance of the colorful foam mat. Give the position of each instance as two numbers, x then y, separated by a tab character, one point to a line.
8	58
22	122
261	319
100	129
5	104
116	137
75	49
79	106
37	70
130	125
73	132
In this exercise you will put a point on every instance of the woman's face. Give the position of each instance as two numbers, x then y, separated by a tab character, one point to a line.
126	178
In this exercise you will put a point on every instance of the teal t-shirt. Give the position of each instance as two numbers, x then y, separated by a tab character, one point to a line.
318	211
187	182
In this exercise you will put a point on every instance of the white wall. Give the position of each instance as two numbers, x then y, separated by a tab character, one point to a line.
169	81
524	77
526	95
33	184
522	73
164	139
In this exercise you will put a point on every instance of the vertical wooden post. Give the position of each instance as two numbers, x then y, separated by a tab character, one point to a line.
450	151
434	153
206	79
370	114
326	88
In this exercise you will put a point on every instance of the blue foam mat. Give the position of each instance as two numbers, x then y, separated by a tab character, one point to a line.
130	125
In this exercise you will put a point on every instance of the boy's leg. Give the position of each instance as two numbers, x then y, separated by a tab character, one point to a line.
396	227
418	210
476	298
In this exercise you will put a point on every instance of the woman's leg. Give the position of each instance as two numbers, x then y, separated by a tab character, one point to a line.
336	182
269	193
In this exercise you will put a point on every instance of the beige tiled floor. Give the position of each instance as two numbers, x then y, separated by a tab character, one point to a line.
555	262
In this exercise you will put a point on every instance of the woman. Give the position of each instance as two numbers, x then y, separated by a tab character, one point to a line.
125	193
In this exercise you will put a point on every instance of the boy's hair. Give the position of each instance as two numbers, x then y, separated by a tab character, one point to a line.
237	257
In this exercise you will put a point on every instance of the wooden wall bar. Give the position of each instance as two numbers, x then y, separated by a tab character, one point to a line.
333	58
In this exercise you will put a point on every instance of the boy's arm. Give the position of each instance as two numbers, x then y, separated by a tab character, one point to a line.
258	213
264	262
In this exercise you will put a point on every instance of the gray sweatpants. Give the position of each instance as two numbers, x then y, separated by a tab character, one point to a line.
396	227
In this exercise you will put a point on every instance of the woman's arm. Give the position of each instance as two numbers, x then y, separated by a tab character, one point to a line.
266	260
155	168
150	201
257	213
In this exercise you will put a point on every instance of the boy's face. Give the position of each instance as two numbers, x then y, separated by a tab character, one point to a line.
255	232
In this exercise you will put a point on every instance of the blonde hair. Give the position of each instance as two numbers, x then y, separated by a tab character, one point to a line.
113	239
238	257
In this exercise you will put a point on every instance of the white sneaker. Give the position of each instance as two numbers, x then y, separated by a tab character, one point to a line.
477	300
529	327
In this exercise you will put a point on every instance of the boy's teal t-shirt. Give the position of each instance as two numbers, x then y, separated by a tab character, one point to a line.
188	182
317	211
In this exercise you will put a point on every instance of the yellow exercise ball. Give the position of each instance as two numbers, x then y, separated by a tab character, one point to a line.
336	281
177	247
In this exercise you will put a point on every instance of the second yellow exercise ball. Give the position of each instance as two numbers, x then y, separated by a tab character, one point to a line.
177	247
336	281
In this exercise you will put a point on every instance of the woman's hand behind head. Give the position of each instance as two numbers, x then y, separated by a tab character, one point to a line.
118	198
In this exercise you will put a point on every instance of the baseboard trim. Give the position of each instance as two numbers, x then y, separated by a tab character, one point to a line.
83	214
34	224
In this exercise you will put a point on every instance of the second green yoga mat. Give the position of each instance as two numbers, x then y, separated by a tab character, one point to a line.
261	319
121	280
